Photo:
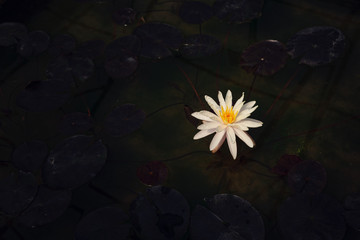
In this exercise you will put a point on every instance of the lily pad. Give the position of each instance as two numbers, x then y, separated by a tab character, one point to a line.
195	12
352	210
34	44
11	33
82	68
161	213
121	66
130	44
285	164
158	39
62	45
47	206
74	161
76	122
307	177
238	11
153	173
317	45
104	223
124	16
17	191
199	45
60	70
227	217
311	217
124	120
29	156
90	49
40	96
264	58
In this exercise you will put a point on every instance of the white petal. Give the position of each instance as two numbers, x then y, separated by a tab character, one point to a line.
231	140
211	116
240	126
214	106
220	127
217	139
245	113
248	105
220	144
228	99
203	133
239	103
221	100
208	125
201	116
252	123
244	137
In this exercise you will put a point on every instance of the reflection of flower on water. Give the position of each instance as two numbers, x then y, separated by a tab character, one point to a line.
227	122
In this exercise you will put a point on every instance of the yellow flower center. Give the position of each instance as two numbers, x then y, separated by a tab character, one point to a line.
228	115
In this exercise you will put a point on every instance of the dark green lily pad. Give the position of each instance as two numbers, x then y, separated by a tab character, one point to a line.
153	173
82	68
311	217
74	161
237	11
195	12
317	45
264	58
30	155
161	213
199	45
124	120
121	66
105	223
11	33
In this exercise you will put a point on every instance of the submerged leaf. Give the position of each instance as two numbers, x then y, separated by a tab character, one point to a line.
153	173
285	164
195	12
199	45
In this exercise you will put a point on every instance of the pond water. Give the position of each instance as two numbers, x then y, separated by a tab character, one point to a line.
96	103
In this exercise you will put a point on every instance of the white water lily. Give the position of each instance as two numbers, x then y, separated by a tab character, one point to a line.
228	122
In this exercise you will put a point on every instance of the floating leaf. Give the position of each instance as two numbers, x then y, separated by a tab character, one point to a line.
238	11
39	96
124	16
158	39
161	213
153	173
227	217
17	191
104	223
195	12
317	45
29	156
285	164
352	210
124	120
47	206
82	68
130	44
76	122
122	65
11	33
60	70
199	45
90	49
264	58
307	177
34	44
62	45
311	217
74	161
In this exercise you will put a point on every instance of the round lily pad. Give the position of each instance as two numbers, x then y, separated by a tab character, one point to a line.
76	122
161	213
124	120
39	96
158	39
17	191
29	156
311	217
82	68
317	45
153	173
47	206
62	45
195	12
285	164
307	177
238	11
352	210
104	223
124	16
11	33
34	44
90	49
74	161
130	44
264	58
227	217
122	65
199	45
59	70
